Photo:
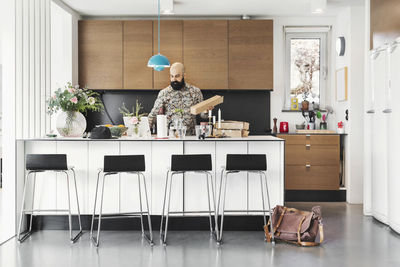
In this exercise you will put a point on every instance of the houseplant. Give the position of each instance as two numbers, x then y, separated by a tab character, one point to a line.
132	118
72	101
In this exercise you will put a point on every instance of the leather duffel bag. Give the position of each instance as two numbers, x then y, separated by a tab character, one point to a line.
296	226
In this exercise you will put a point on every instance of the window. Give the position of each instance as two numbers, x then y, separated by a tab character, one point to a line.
306	61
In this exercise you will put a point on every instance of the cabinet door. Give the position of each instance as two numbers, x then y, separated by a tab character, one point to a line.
171	35
129	191
394	141
46	182
100	54
138	48
111	201
275	174
236	192
205	53
251	54
161	152
77	156
379	142
195	185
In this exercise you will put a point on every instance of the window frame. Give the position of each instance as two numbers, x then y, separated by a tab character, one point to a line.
323	75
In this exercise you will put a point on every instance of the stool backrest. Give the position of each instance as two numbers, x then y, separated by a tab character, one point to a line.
38	162
246	162
198	162
124	163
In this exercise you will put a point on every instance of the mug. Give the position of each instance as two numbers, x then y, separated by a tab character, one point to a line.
284	127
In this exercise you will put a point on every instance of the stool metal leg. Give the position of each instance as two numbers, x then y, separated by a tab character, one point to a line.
209	204
97	240
140	204
21	219
94	208
71	237
216	233
269	209
33	201
78	208
150	238
223	205
169	202
163	208
263	199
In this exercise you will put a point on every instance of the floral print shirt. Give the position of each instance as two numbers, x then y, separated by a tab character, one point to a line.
170	99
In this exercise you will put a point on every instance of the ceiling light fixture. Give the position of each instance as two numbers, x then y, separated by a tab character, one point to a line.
158	62
318	6
167	7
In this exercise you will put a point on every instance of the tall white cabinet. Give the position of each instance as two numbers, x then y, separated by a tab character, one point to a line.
382	118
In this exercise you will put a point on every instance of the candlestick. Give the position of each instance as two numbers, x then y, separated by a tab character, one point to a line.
209	113
219	118
214	120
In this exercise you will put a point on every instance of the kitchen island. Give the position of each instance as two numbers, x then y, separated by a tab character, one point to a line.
189	192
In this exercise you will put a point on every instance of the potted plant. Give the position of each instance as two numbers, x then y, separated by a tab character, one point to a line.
72	101
132	118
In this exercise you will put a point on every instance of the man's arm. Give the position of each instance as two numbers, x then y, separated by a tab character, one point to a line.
159	103
199	98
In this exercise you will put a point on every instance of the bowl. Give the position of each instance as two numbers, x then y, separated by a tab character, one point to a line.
117	131
300	126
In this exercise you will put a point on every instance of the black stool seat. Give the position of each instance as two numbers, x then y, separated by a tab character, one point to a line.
46	162
198	162
246	162
124	163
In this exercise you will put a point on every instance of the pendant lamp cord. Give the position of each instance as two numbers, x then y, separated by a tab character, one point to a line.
158	26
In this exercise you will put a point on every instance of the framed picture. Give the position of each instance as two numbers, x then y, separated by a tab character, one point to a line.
341	84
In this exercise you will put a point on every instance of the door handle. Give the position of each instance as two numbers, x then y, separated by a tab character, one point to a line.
388	110
371	111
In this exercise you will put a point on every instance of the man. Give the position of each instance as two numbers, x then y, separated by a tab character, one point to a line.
178	97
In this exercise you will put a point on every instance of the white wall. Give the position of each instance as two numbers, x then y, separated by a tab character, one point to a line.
351	24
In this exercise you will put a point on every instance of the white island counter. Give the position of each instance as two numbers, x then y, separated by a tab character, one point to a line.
189	192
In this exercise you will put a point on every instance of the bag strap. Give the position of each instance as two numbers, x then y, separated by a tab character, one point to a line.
267	234
312	244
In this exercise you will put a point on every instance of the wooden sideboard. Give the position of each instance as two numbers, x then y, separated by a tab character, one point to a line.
217	54
312	162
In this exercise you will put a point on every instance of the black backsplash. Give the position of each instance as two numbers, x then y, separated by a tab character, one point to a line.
252	106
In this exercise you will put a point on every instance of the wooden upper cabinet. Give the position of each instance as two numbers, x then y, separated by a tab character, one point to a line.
137	50
251	54
171	47
385	22
205	53
100	54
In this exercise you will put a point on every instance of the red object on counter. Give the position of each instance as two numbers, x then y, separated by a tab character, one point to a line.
284	127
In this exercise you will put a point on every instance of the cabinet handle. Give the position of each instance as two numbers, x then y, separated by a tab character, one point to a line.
388	110
308	145
308	135
371	111
308	166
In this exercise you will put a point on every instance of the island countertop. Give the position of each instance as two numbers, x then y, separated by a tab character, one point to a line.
153	138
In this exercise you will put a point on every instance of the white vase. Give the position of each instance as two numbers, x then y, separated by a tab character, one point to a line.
71	124
133	129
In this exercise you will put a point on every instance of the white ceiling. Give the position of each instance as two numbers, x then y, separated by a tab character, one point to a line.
205	7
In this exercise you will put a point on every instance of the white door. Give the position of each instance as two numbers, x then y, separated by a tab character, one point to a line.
379	139
393	140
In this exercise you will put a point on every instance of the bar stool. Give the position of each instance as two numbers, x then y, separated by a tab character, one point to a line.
251	163
43	163
180	164
133	164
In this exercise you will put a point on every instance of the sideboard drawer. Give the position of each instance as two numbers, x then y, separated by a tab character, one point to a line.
312	154
312	178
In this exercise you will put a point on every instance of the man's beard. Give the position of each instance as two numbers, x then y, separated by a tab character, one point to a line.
178	85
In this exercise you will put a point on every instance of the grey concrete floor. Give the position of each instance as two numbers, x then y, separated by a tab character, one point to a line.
350	240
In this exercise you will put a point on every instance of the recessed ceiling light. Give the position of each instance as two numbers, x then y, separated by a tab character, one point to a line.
318	6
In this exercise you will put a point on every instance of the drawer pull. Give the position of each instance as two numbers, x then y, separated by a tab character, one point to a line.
308	166
308	135
308	145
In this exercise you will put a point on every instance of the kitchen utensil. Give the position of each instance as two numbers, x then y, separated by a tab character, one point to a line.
300	126
284	127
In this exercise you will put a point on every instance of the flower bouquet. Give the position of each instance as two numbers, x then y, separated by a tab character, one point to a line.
132	118
72	101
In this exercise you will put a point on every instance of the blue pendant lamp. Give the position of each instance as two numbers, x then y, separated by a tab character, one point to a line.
158	62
